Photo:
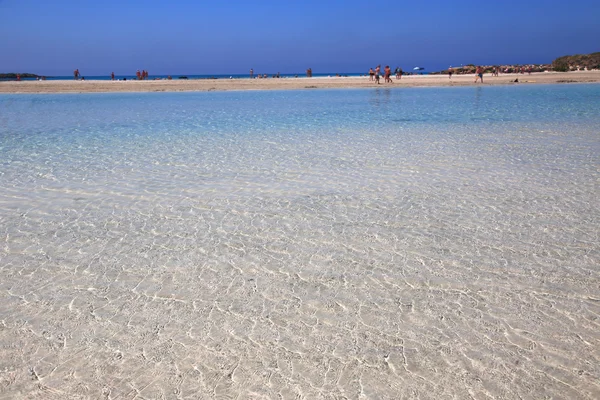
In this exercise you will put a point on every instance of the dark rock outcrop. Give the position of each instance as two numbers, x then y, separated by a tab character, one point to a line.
13	75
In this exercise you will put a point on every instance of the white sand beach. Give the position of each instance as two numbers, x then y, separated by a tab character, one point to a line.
177	85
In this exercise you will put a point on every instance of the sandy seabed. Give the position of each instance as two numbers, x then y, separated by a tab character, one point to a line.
397	270
177	85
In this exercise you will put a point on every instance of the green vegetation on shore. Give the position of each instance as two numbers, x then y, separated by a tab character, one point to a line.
577	62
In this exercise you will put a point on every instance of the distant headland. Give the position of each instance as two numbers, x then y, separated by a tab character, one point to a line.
13	76
578	62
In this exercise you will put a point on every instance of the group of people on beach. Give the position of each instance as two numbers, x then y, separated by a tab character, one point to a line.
494	70
374	74
479	71
261	76
141	76
277	75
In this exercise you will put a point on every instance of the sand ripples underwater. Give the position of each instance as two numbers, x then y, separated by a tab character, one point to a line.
188	257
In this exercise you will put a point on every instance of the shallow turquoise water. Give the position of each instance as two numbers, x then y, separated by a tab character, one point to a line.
379	243
81	136
239	112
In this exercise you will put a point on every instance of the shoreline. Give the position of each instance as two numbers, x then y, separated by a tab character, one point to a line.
207	85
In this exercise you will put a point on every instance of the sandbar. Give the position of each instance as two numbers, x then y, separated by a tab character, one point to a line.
204	85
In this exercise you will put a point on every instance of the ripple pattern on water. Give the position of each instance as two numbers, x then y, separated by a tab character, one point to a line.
330	244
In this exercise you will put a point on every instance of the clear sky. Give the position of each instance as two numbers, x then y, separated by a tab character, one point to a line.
228	37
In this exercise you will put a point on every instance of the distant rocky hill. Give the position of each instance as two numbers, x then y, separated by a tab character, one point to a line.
577	62
561	64
13	75
505	69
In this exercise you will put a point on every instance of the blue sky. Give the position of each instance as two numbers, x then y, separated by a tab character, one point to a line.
228	37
